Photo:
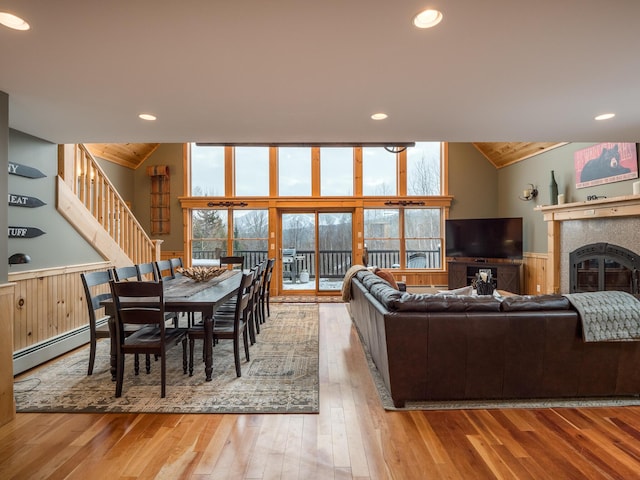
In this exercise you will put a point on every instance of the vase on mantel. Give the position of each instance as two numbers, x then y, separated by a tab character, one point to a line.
553	187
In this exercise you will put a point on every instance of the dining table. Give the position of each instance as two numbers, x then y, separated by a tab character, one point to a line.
185	295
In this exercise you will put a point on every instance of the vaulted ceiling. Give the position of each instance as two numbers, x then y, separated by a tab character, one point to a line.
314	72
131	155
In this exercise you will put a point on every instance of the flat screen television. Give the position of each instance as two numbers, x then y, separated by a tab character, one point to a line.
484	238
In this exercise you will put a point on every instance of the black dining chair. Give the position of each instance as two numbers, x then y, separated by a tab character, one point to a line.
164	270
96	289
129	272
142	304
264	293
176	264
147	271
228	327
232	261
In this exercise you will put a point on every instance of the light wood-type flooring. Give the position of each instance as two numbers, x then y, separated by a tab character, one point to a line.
351	437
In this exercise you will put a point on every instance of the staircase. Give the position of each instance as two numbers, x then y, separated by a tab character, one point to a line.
89	202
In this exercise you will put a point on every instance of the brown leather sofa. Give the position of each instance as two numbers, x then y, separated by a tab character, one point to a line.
445	347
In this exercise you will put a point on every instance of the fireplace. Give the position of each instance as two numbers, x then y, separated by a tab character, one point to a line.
603	266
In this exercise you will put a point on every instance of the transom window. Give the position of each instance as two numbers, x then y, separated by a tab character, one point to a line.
251	171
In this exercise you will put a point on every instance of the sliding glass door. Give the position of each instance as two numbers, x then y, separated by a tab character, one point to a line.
316	251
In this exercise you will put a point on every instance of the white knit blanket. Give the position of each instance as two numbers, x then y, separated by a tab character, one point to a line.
607	316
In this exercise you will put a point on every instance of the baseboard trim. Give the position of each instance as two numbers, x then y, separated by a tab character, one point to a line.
36	355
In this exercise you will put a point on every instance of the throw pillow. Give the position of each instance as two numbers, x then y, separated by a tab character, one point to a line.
386	276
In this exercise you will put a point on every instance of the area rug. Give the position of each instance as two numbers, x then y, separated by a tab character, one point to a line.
387	402
281	377
307	299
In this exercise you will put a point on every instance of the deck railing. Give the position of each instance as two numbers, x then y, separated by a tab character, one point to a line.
335	263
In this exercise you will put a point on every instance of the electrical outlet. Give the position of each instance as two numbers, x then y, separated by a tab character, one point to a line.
538	288
404	278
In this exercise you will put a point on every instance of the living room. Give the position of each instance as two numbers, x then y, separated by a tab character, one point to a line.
511	80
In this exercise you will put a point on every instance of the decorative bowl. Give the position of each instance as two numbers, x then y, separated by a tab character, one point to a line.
201	274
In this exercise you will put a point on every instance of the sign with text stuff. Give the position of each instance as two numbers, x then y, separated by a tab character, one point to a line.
24	232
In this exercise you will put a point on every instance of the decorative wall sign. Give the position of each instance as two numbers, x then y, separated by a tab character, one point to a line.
24	232
24	170
24	201
605	163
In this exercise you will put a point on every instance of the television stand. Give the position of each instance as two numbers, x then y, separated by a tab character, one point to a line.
508	276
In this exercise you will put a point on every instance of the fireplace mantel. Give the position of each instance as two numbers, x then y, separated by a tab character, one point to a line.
626	205
623	206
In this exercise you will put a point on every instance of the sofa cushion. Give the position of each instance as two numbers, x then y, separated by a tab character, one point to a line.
388	276
444	303
516	303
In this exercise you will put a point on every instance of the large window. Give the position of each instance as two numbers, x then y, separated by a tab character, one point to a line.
251	235
423	169
382	237
294	171
252	171
209	235
422	238
336	171
399	199
207	171
379	169
417	245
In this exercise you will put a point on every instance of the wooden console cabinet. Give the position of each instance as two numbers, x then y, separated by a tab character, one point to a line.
508	276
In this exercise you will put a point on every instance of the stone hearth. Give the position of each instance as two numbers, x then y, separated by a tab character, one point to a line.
573	225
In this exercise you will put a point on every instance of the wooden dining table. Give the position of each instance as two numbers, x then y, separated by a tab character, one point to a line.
183	294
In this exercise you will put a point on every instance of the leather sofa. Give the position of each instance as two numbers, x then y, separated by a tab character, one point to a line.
451	347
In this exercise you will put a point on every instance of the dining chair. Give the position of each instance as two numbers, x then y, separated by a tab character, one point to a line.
142	304
164	270
129	272
96	289
232	261
147	271
160	270
256	312
176	263
228	328
264	293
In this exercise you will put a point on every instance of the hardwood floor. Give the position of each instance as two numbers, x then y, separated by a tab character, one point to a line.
351	438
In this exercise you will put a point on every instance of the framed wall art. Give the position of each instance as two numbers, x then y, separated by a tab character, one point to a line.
605	163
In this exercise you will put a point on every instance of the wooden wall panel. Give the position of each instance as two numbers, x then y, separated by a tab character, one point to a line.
535	273
48	302
7	406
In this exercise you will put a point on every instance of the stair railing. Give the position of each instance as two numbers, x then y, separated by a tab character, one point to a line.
83	175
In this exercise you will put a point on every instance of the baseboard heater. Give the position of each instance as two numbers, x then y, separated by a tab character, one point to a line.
40	353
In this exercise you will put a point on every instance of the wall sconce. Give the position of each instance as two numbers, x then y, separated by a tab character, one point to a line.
18	258
529	193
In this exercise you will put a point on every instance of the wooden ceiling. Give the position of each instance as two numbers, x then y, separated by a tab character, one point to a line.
132	155
503	154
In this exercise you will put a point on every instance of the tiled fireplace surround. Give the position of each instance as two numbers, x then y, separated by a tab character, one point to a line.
570	226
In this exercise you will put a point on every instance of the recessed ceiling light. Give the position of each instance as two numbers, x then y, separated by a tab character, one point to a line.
147	116
379	116
605	116
12	21
427	18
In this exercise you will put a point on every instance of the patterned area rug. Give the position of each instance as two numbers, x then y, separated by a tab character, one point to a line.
387	402
307	299
281	377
